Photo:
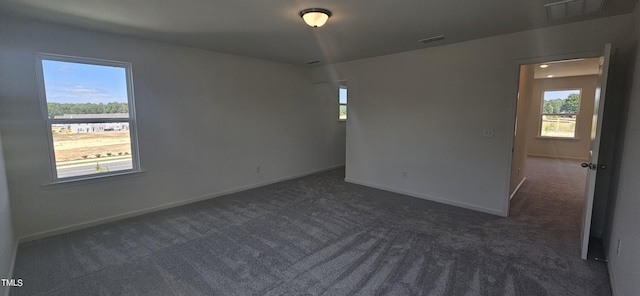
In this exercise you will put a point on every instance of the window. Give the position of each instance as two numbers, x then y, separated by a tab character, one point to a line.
559	112
89	114
342	114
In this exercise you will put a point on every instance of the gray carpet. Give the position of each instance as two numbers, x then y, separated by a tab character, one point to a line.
318	235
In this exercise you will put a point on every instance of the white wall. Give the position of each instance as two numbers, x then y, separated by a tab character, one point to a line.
335	133
205	121
625	267
7	239
424	111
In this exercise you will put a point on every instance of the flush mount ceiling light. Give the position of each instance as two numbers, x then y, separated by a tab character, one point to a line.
315	17
544	66
550	76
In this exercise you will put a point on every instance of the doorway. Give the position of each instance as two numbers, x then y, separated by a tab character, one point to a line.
553	136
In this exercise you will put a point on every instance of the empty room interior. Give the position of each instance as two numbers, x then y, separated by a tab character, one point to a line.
319	147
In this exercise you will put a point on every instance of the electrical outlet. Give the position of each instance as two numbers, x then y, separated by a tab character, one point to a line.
487	133
258	169
618	249
405	174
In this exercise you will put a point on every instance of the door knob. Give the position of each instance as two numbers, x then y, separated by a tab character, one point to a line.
590	166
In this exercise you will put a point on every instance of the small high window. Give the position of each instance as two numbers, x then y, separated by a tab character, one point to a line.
89	113
559	113
342	113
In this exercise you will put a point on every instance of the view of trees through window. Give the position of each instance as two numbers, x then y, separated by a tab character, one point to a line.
559	113
342	114
57	109
88	113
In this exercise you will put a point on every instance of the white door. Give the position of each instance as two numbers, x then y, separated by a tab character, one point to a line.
593	165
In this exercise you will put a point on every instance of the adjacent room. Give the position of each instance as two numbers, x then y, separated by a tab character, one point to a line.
319	148
555	120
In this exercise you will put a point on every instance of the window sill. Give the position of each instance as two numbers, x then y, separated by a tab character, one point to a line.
92	179
342	120
558	138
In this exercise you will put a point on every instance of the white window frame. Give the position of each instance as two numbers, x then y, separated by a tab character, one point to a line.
577	114
135	158
343	86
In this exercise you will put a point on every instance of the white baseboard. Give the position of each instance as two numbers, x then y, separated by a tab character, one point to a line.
556	157
517	188
431	198
92	223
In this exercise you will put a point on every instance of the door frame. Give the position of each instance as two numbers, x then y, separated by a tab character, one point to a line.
514	111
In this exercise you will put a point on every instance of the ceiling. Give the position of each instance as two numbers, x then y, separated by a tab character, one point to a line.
273	30
567	68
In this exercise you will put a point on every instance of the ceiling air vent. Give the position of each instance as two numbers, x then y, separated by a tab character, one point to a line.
569	8
431	39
